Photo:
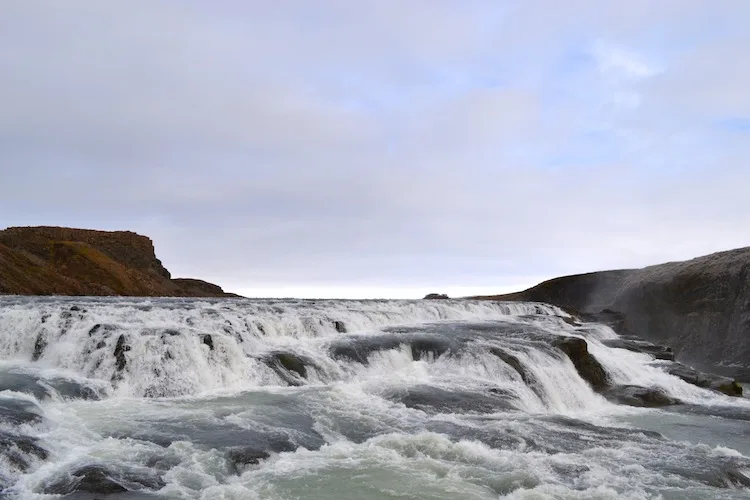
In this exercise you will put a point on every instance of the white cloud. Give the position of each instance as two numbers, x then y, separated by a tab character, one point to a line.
386	145
621	62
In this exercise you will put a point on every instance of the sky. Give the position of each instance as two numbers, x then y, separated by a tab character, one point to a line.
381	148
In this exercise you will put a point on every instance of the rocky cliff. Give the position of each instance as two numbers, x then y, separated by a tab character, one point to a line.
65	261
700	307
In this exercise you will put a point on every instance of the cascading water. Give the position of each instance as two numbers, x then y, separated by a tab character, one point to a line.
174	398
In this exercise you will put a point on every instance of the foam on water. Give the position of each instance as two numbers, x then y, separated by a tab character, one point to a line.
414	399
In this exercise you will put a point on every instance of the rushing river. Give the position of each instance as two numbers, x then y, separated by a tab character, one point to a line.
327	399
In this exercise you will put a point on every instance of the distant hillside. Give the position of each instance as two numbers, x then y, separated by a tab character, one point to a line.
65	261
700	307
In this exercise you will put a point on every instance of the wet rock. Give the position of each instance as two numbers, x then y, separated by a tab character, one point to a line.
570	470
28	383
100	480
39	346
634	395
19	411
429	347
71	389
718	383
209	341
432	399
642	346
120	349
513	362
23	382
436	296
289	366
242	457
360	349
339	326
571	320
587	365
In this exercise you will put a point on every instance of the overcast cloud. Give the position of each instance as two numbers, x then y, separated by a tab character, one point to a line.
381	148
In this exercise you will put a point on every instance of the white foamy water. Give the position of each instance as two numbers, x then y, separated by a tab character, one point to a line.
281	399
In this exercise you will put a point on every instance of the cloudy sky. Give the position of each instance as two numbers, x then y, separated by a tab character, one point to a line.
381	147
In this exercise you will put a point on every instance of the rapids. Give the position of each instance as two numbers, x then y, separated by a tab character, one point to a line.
335	399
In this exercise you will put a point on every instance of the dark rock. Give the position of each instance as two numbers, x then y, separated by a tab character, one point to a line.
613	319
513	362
339	326
642	346
33	385
359	349
39	346
700	307
23	382
209	341
432	399
120	349
290	367
718	383
425	347
75	309
198	288
100	480
587	366
435	296
70	389
634	395
242	457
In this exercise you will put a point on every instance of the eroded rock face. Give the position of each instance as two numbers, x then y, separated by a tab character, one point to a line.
66	261
700	307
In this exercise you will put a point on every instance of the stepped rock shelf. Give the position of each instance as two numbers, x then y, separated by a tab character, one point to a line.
700	307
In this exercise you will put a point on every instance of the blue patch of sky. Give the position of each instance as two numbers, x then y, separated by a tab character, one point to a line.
735	124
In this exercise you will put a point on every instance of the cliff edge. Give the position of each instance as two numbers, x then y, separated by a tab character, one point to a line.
67	261
700	307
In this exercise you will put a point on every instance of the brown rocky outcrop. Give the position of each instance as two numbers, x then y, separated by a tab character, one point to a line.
699	307
66	261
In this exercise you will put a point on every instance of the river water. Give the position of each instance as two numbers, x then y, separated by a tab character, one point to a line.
333	399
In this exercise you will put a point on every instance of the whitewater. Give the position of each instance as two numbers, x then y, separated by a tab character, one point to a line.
338	399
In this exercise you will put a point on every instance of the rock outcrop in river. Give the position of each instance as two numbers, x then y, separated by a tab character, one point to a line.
65	261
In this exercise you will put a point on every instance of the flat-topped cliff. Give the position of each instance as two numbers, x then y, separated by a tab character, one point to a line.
67	261
700	307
